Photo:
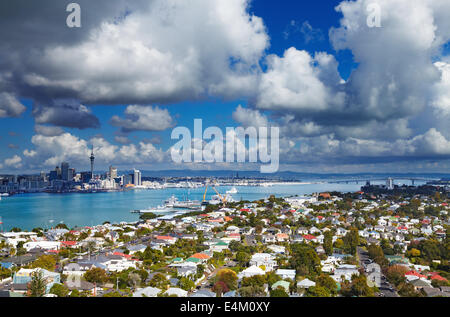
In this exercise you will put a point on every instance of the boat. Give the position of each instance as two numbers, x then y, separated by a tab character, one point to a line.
157	210
232	191
173	202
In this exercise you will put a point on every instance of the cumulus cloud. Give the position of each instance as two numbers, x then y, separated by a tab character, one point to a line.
10	106
13	162
249	117
147	55
50	151
143	118
48	130
65	113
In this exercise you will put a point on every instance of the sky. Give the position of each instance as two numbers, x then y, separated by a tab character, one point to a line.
348	96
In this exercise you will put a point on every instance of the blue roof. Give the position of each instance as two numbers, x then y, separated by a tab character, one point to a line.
6	265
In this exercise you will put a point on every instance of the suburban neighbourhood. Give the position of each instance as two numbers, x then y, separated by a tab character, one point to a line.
363	244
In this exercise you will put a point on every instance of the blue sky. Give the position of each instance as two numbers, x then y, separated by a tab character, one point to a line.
294	67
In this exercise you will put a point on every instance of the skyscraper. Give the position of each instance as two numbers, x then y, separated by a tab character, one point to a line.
112	172
92	158
137	178
65	171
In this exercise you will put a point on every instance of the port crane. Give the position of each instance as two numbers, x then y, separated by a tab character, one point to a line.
224	200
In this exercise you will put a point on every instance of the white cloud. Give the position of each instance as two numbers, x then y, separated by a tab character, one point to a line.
13	162
50	151
162	51
249	117
143	118
48	130
10	106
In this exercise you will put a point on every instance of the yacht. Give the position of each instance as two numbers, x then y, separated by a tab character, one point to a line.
232	191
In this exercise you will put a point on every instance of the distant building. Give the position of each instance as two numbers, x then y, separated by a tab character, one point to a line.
65	171
390	183
112	172
137	178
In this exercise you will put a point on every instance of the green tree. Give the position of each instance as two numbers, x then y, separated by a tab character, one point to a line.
305	259
318	291
59	290
327	282
351	240
47	262
328	242
96	275
186	284
37	285
243	258
279	292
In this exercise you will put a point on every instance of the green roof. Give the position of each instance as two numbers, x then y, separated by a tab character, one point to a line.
221	243
195	260
283	284
176	260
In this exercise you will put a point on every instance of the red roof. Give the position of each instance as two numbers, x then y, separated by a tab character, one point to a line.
245	209
164	238
415	274
69	243
234	235
122	255
201	256
436	276
309	237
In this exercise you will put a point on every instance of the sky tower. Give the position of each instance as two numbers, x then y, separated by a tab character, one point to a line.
92	158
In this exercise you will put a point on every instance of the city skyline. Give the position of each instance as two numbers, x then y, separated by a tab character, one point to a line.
341	89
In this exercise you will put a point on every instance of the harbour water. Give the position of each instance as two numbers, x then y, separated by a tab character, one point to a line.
28	211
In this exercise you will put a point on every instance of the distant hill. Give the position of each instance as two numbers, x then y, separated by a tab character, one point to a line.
287	175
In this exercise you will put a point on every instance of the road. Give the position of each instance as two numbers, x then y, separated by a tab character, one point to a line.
386	288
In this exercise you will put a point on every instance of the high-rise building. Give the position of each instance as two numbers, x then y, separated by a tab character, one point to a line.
112	172
71	173
65	171
137	178
92	158
390	183
58	171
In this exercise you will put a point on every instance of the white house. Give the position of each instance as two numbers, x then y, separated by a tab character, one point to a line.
286	274
266	259
251	271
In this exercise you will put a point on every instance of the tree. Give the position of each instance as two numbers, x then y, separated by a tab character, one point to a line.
37	285
134	279
243	258
186	284
220	288
318	291
396	274
96	275
328	242
59	290
252	291
255	280
47	262
229	277
351	240
305	259
327	282
279	292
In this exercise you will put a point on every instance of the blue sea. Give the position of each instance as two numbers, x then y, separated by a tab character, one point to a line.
28	211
